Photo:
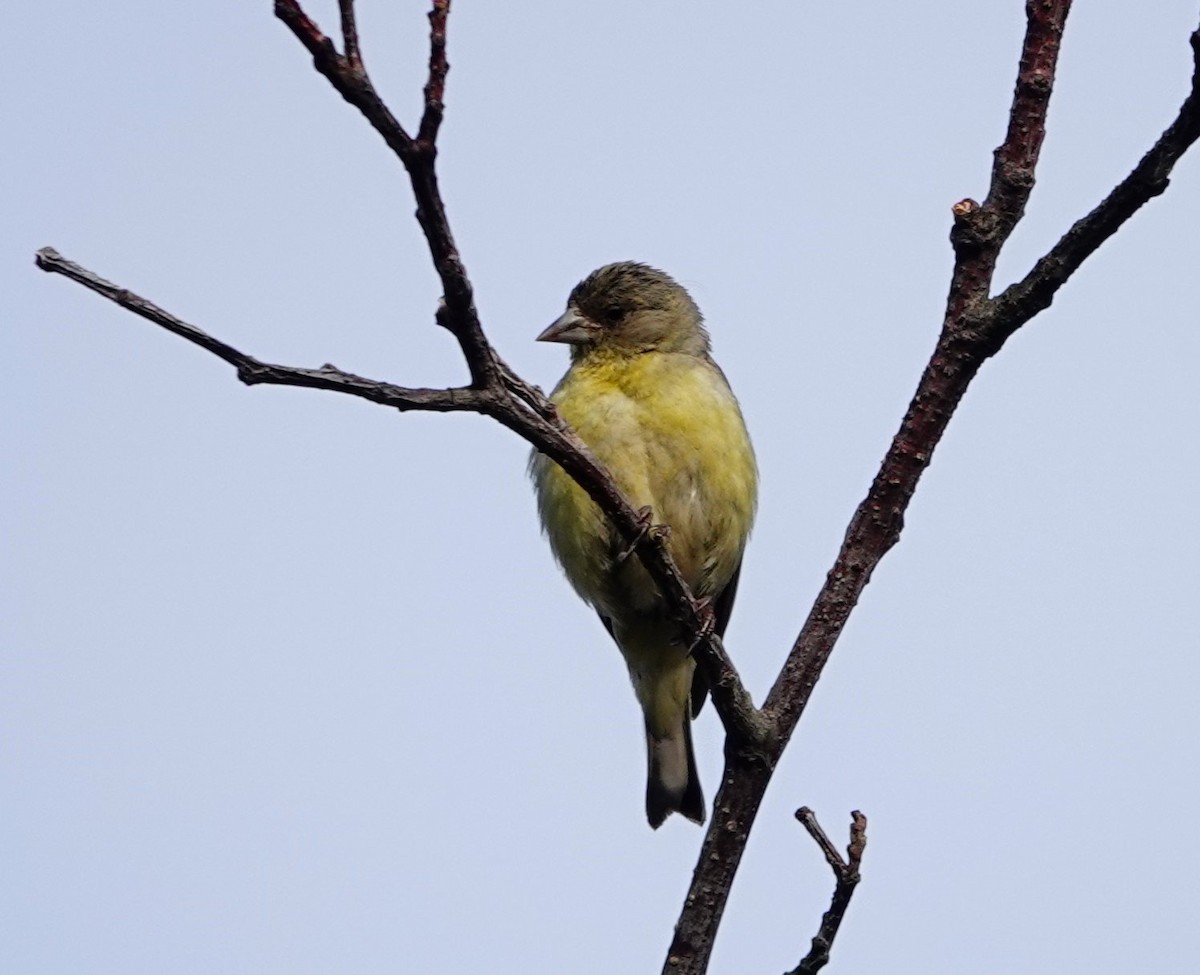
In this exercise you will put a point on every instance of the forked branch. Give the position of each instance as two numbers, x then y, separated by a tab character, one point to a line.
846	876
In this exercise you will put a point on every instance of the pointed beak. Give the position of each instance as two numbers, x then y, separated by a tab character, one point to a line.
570	327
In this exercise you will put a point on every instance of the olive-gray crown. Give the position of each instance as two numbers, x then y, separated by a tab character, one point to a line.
637	307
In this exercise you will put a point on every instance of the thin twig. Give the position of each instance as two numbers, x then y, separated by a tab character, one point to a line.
418	158
846	873
808	819
252	371
980	232
1149	178
353	85
435	87
350	35
1015	161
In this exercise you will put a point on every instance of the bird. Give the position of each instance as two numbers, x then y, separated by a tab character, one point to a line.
644	394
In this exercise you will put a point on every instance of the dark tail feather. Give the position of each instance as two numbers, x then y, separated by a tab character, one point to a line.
699	692
672	784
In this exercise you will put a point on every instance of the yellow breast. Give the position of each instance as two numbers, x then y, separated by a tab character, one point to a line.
670	432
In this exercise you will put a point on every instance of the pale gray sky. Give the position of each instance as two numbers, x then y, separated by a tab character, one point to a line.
291	683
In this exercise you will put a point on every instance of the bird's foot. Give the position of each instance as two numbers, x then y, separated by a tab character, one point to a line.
646	527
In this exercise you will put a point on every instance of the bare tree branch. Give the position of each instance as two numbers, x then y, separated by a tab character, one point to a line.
435	87
1015	161
980	232
975	327
845	872
1150	178
252	371
418	157
350	35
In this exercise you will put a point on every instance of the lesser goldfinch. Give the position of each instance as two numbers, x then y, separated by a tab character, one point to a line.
646	396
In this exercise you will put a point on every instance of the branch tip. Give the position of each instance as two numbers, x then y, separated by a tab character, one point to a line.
252	371
435	85
350	49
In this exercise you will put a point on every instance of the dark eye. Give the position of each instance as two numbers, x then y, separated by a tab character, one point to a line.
613	314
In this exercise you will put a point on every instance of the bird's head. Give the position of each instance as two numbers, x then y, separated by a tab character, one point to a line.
629	308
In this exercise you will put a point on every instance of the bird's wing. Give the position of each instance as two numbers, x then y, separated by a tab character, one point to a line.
608	626
722	610
723	604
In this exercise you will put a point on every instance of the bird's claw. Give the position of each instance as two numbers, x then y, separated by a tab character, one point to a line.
646	527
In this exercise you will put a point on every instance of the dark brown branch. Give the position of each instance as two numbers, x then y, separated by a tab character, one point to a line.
980	231
350	35
418	157
347	77
435	87
253	372
1150	178
874	529
846	874
1015	160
